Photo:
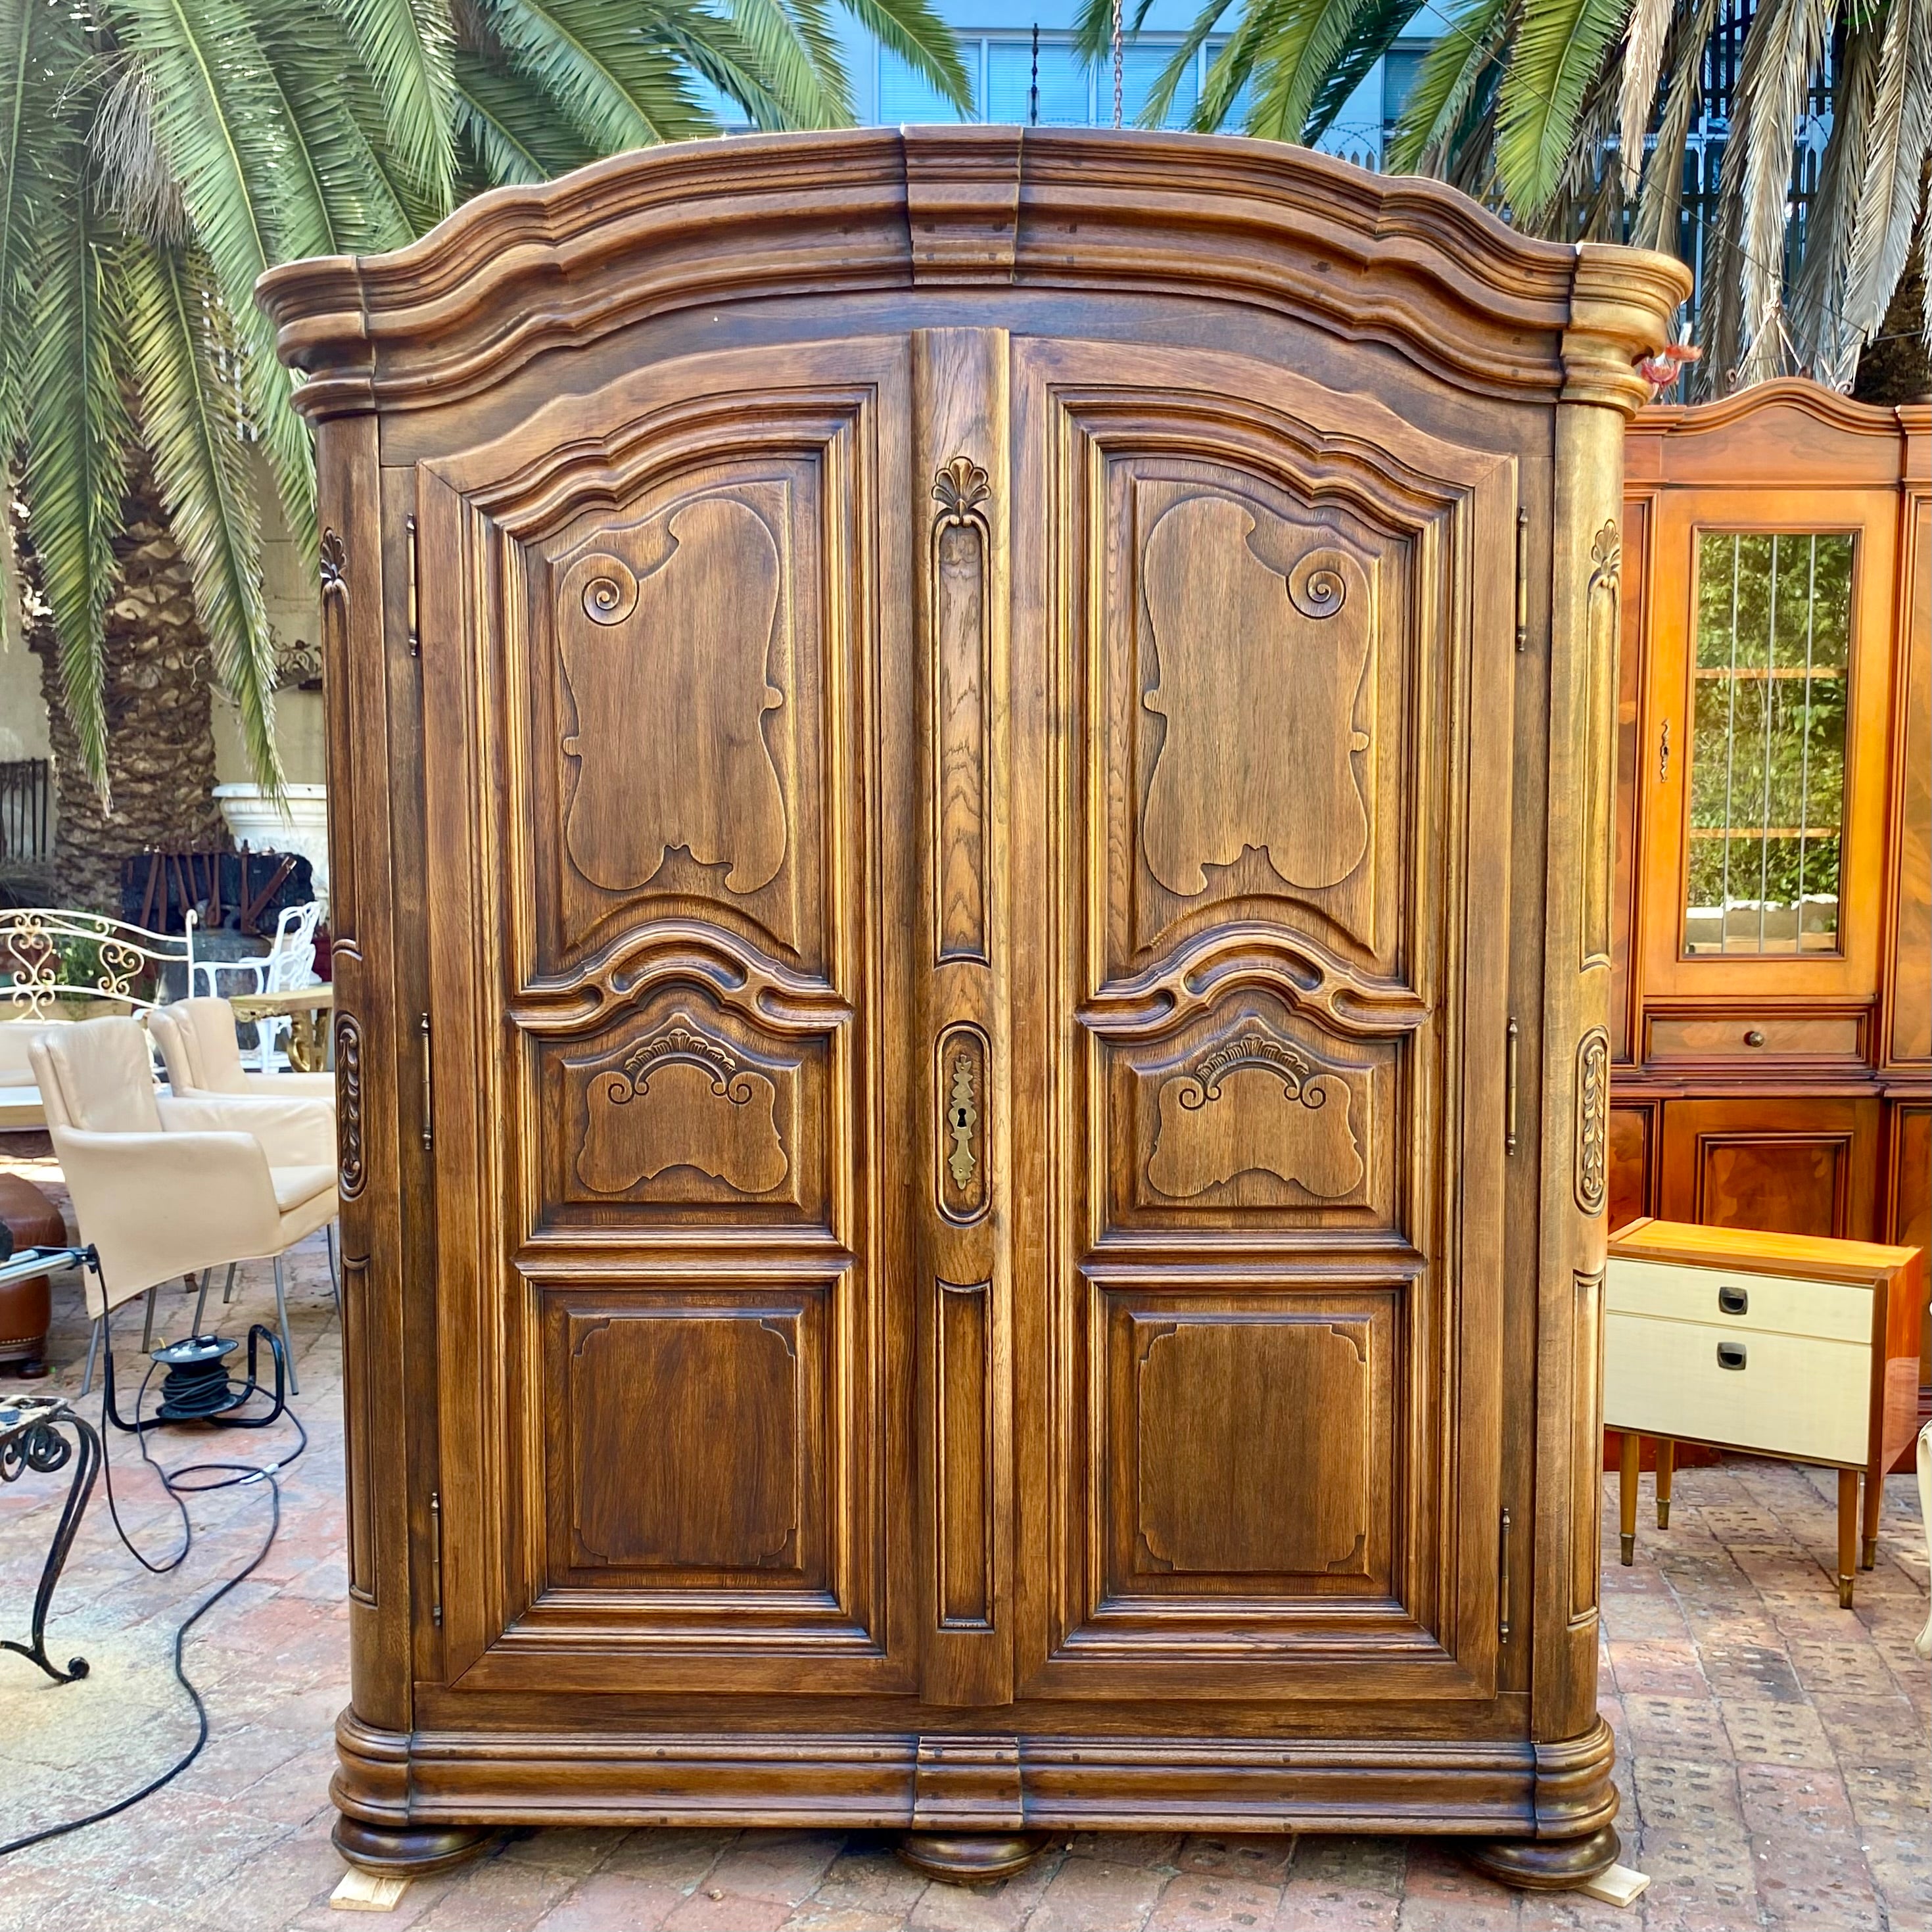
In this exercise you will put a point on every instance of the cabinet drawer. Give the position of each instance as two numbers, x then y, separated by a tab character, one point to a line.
1794	1395
1749	1036
1833	1311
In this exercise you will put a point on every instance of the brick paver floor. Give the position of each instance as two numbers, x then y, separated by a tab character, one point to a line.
1773	1759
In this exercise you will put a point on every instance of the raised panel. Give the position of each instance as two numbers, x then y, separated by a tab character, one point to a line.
1251	1444
682	1110
687	1440
1631	1190
1790	1184
1256	717
1251	1116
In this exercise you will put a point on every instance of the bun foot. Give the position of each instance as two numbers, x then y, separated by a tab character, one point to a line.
1547	1865
410	1851
970	1858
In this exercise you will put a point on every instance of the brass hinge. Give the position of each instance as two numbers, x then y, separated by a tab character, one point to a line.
1503	1583
428	1089
1521	577
436	1560
415	638
1511	1054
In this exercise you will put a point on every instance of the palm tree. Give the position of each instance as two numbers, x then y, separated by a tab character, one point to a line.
156	156
1573	118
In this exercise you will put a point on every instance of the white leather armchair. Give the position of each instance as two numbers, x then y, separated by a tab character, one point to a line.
197	1038
166	1184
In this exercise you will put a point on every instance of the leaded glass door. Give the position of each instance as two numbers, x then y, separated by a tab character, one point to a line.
1766	744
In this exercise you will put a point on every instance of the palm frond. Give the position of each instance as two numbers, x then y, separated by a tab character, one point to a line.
1093	24
1233	67
513	134
1786	42
1308	43
1817	302
1469	54
218	123
1559	50
76	442
1888	201
1160	103
135	180
792	54
1377	29
40	48
1662	195
1644	37
615	84
339	198
190	421
407	46
914	31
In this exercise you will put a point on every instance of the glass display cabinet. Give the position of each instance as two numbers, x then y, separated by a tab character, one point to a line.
1772	1025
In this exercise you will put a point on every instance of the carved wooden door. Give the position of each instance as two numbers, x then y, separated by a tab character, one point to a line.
669	712
1261	691
963	969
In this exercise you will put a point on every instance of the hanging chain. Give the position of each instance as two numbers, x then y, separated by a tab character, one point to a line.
1117	61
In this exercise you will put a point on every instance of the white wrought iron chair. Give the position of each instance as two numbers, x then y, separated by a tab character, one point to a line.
165	1185
288	965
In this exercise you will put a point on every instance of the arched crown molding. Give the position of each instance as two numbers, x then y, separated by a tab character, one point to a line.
1399	260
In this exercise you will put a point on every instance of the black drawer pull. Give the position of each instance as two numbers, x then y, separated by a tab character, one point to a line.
1734	1300
1730	1354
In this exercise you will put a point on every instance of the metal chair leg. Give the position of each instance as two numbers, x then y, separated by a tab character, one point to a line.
282	1318
228	1287
335	1272
93	1351
201	1300
147	1325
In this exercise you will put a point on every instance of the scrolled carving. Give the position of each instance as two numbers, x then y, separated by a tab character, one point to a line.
631	1079
681	1098
611	592
1593	1120
1244	1106
1258	677
351	1171
1318	587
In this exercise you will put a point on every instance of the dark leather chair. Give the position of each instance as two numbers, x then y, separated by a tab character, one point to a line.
34	1221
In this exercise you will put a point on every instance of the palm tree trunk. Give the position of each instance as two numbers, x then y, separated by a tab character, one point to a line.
160	740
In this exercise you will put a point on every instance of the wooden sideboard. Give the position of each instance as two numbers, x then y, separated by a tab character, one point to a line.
1772	1023
972	889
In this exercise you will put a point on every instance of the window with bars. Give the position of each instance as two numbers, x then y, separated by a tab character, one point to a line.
1768	706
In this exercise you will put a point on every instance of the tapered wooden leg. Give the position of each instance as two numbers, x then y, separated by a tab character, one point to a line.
1848	1533
970	1858
1874	1497
1666	1468
1633	1454
407	1851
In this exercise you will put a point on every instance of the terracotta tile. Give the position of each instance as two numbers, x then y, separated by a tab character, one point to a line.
495	1895
1261	1860
992	1908
1775	1732
1208	1901
1087	1893
713	1909
612	1902
785	1866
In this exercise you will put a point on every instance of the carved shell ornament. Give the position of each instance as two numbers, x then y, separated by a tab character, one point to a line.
1255	1104
1258	676
680	1098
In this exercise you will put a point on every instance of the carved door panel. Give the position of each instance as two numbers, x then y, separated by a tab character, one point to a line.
1262	662
669	694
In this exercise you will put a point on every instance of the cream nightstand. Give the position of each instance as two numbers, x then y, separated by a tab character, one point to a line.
1780	1345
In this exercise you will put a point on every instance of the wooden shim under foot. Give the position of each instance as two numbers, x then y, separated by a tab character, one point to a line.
365	1891
1619	1886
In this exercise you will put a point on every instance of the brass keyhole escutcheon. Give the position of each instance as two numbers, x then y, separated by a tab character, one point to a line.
960	1076
961	1117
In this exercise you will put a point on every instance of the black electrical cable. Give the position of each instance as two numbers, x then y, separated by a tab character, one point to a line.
231	1475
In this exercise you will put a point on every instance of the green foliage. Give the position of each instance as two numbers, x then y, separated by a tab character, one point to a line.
1570	119
156	156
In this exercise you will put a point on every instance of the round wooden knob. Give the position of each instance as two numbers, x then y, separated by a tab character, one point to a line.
1753	1038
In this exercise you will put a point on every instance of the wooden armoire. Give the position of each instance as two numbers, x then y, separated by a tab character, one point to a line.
973	799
